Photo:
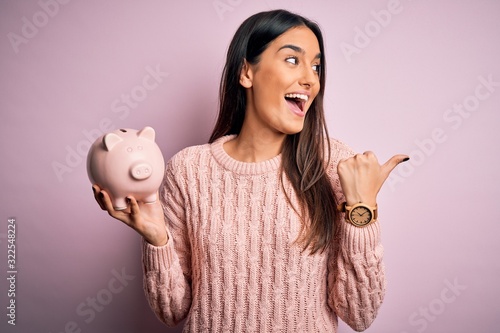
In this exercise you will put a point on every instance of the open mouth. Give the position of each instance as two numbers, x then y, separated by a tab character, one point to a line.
297	103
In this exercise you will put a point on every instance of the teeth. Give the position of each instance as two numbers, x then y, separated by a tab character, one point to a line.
301	96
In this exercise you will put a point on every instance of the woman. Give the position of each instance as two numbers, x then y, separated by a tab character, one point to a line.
247	237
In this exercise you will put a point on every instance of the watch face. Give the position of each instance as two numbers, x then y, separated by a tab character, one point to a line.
360	216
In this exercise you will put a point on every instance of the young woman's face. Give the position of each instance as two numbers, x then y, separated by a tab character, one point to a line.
283	84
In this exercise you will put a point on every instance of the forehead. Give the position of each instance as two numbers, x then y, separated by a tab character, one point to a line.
301	36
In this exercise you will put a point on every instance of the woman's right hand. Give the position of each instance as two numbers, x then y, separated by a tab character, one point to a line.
145	218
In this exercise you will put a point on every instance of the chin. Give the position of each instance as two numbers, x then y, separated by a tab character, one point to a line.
294	129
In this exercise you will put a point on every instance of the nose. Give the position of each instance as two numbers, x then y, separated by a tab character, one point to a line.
308	77
141	171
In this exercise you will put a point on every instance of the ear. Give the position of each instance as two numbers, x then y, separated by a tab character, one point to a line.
110	140
246	75
147	132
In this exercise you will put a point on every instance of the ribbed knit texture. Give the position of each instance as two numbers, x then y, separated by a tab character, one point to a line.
231	264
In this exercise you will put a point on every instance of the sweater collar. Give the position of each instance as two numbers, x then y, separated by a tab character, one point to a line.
246	168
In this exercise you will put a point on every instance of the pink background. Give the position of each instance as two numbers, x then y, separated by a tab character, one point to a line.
393	83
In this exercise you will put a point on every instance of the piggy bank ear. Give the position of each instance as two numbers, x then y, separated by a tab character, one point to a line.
110	140
147	132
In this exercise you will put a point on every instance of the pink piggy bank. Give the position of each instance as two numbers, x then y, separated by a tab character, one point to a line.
127	162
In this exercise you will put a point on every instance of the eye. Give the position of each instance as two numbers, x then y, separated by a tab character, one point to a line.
316	68
292	60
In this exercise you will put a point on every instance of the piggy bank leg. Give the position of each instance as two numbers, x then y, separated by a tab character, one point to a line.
119	204
150	198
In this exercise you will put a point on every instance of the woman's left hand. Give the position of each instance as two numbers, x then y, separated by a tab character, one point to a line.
361	176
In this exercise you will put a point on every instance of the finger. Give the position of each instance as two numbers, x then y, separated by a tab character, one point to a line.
369	157
96	190
134	207
369	154
108	205
388	166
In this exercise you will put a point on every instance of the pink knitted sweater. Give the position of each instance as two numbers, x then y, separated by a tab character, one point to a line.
231	264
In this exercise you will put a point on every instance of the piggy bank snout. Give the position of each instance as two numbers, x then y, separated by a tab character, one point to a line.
141	170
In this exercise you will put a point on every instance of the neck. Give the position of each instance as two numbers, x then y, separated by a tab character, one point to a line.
253	146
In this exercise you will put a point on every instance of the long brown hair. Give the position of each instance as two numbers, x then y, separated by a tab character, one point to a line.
305	154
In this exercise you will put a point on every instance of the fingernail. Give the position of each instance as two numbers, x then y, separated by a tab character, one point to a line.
406	159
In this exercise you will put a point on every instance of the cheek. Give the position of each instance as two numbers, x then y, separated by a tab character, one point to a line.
315	93
270	92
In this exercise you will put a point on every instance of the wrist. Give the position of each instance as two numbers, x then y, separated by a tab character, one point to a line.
369	201
159	239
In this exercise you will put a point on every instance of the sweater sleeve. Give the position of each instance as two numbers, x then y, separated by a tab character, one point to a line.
167	274
356	279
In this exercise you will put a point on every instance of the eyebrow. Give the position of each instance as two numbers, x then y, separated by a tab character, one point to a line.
298	49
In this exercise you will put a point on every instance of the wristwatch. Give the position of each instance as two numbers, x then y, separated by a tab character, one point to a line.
359	214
